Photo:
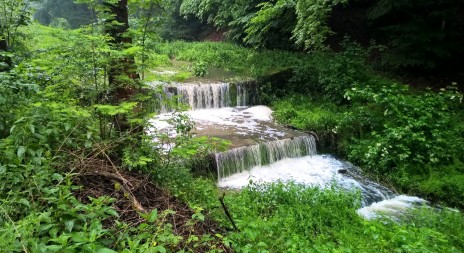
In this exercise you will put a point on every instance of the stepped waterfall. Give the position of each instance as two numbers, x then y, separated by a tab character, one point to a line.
245	158
212	95
263	151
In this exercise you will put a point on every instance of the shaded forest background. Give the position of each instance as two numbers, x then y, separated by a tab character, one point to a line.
420	41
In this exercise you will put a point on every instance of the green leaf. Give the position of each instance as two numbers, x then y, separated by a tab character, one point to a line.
69	225
160	249
153	215
21	151
57	177
112	212
53	248
32	128
105	250
24	202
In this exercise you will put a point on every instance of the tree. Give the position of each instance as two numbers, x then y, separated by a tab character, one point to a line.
75	14
269	24
421	33
13	14
123	78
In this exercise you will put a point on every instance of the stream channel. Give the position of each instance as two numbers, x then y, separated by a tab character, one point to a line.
263	151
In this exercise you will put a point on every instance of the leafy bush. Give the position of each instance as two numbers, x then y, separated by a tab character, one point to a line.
329	74
415	129
14	93
311	115
200	69
409	138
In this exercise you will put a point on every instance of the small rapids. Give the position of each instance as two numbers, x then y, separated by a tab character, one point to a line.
315	170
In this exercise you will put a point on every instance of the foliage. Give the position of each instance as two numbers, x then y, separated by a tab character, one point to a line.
262	23
409	138
423	33
172	25
55	108
420	121
323	75
230	57
271	21
52	118
200	69
293	218
310	30
13	14
50	12
303	113
14	93
329	75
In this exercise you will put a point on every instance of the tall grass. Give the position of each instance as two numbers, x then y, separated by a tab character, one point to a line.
231	57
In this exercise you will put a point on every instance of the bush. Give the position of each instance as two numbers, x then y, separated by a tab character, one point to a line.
412	130
200	69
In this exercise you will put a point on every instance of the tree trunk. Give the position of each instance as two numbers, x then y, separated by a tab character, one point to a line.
4	59
122	73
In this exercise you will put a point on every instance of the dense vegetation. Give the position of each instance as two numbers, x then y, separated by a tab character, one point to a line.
77	173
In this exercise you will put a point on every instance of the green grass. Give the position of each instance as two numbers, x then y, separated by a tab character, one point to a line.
230	57
286	217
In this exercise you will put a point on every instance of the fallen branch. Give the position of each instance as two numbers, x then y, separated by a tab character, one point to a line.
135	203
226	211
119	179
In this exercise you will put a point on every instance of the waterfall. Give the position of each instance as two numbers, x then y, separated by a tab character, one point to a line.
288	156
204	96
245	158
242	95
208	95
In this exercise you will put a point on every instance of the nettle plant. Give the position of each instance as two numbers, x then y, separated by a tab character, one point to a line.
408	131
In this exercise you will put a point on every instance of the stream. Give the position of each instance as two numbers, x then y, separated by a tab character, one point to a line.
262	151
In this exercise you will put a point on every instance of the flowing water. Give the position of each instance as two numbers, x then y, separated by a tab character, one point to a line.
263	151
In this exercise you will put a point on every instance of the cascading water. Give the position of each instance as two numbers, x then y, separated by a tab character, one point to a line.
245	158
205	96
209	95
242	94
265	152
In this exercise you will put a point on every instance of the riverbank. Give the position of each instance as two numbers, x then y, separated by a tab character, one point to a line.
405	137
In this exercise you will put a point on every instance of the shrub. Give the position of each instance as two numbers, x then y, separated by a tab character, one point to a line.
414	129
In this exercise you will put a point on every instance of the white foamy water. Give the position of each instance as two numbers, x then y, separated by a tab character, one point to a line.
233	116
239	121
314	170
391	207
322	171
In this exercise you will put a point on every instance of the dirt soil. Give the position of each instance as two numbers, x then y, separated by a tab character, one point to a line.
135	194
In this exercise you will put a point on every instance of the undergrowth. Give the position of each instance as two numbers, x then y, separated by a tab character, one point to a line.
294	218
406	137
